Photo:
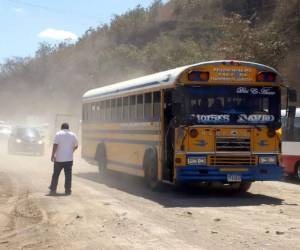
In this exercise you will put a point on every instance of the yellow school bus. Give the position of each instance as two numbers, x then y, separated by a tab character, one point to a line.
211	122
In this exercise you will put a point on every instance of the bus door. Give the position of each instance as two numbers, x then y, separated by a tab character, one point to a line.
168	167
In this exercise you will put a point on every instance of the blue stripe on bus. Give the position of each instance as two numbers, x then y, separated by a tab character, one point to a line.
128	141
124	164
144	132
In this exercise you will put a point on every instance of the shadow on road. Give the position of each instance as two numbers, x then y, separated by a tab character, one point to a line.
291	180
184	197
57	195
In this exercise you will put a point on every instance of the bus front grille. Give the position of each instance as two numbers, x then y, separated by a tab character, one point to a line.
224	160
233	144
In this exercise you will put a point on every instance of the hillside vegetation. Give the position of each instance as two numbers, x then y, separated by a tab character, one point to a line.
144	41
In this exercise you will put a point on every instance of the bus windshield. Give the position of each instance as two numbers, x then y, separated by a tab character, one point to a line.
233	104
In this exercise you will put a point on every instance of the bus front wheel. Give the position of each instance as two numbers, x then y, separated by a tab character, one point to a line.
244	186
239	187
151	169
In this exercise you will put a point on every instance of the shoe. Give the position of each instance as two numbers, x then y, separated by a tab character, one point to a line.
52	193
69	192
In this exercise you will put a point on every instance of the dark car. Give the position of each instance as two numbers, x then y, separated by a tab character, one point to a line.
25	140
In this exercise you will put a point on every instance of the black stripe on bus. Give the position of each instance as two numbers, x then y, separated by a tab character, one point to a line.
131	132
124	164
125	141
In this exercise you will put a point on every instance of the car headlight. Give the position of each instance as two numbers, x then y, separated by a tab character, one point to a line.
40	142
197	160
268	159
18	140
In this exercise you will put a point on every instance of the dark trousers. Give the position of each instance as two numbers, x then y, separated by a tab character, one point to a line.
58	166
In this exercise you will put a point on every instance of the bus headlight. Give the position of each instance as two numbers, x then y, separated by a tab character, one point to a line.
197	160
18	140
268	159
40	142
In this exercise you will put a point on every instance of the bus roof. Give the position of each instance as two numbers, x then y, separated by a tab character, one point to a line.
164	78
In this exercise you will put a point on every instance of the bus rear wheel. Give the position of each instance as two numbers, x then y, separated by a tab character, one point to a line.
150	165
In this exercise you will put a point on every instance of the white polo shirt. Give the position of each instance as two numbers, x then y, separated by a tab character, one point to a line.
66	142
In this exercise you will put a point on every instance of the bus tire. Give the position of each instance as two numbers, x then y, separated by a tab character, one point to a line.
101	157
297	171
244	186
150	165
239	188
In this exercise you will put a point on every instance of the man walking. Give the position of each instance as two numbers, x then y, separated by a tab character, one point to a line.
64	145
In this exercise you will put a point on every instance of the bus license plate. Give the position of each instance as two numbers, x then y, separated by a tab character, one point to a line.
234	178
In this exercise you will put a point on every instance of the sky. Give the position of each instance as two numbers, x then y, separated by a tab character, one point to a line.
26	23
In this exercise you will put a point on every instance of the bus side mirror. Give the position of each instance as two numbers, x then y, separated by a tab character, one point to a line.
292	100
292	95
291	112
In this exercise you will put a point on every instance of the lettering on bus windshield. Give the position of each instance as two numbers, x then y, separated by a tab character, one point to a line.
256	91
256	118
241	118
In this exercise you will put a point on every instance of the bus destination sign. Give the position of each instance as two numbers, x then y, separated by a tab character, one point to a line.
233	74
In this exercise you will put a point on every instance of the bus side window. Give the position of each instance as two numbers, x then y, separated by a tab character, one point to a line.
148	106
98	111
89	111
297	129
113	110
132	108
156	105
93	116
107	110
119	109
125	108
84	112
102	111
140	107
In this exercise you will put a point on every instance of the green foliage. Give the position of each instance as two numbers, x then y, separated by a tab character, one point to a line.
166	53
44	49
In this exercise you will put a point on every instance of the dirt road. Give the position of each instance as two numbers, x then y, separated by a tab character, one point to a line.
119	212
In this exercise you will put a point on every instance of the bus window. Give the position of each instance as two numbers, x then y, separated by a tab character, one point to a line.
125	108
107	110
89	112
97	118
119	109
156	105
132	107
102	111
84	112
140	107
113	110
148	105
297	129
291	133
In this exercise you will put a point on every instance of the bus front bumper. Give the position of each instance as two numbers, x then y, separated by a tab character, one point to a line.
245	173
